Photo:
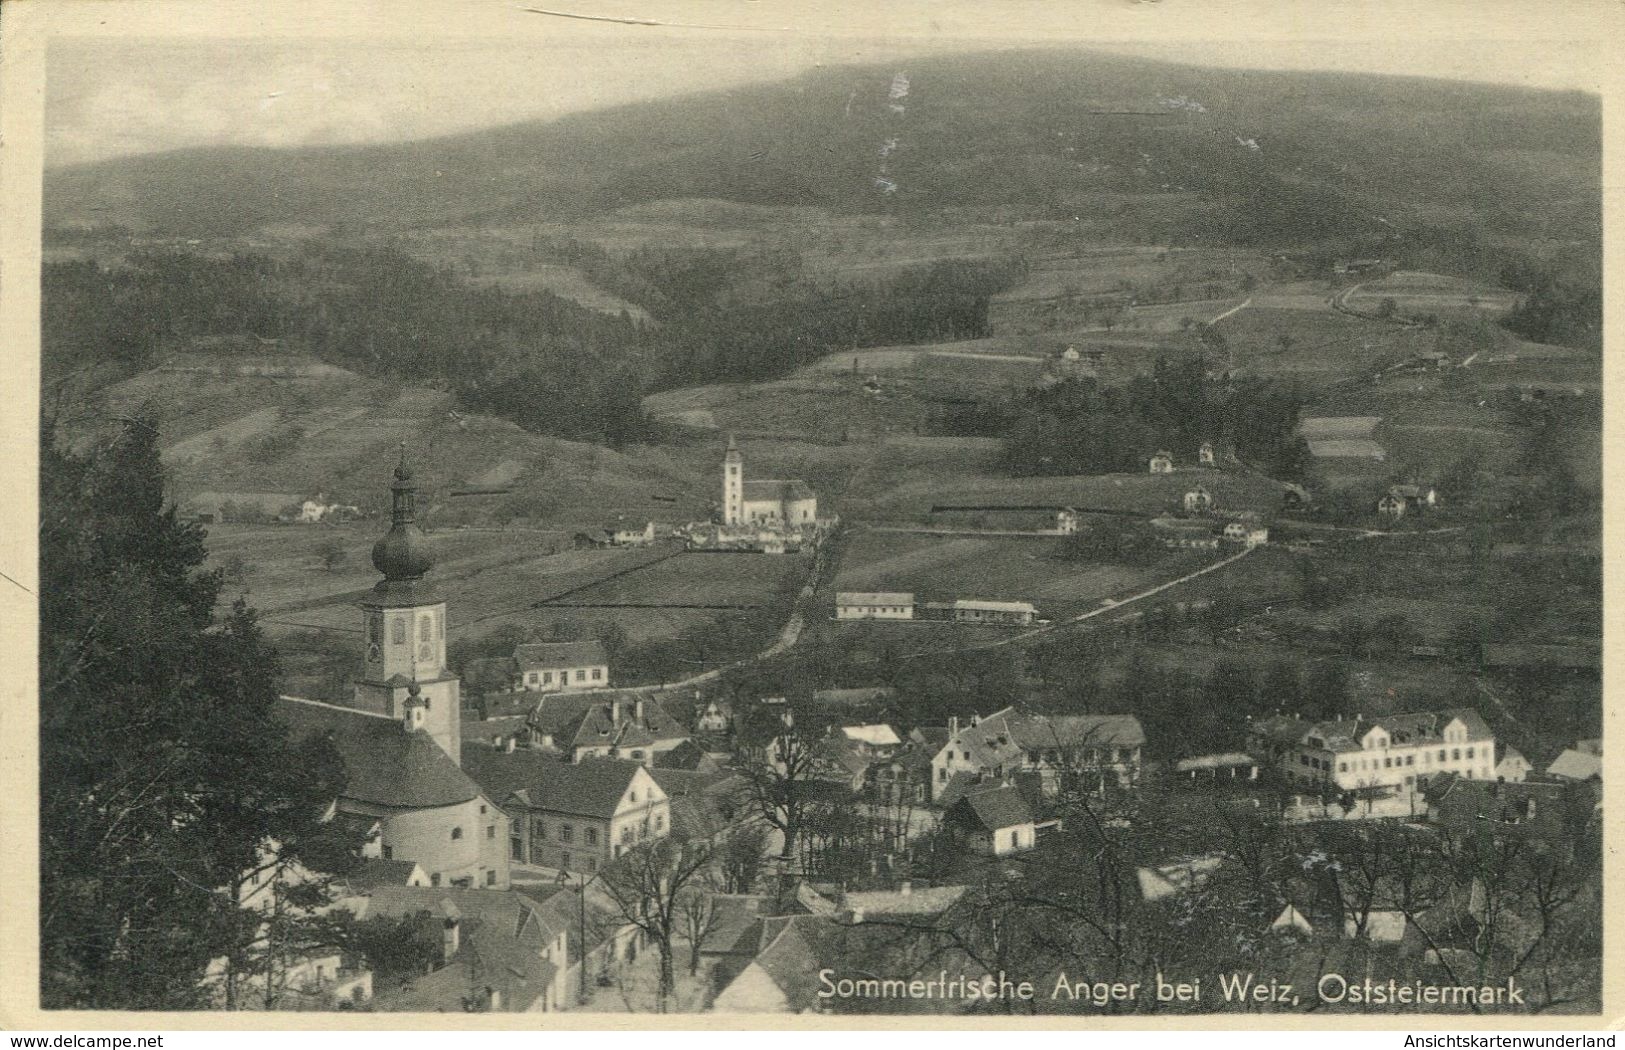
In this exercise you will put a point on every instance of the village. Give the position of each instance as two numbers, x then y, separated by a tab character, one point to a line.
556	841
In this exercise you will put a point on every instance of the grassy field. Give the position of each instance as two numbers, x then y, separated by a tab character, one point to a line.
992	568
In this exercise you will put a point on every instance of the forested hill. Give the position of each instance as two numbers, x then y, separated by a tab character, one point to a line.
1159	151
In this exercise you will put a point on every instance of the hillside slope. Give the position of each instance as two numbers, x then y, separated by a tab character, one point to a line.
1155	149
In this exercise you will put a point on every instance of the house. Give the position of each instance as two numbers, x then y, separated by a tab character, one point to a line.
994	821
1547	816
716	716
376	871
874	605
1248	534
1066	521
1400	500
782	975
874	741
1342	437
1162	463
573	816
1204	454
1390	754
1086	751
1379	925
1232	765
785	504
500	951
554	666
1576	765
1510	765
630	534
619	723
1198	500
975	610
906	901
903	778
1291	920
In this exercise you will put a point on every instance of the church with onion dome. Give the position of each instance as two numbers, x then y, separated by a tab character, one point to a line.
399	735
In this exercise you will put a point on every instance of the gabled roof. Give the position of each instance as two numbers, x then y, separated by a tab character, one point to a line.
873	598
922	900
1576	765
501	773
385	764
589	720
543	656
874	735
593	787
1413	728
996	809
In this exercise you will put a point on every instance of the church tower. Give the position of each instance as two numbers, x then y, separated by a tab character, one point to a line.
733	484
405	629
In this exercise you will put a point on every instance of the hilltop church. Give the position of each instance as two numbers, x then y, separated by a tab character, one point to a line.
786	503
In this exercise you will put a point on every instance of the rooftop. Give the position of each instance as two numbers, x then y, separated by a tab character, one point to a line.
537	656
385	764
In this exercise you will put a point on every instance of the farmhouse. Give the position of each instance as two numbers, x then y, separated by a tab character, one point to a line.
1248	534
1204	454
1198	500
1162	463
630	533
874	605
995	821
546	667
1066	521
969	610
1389	753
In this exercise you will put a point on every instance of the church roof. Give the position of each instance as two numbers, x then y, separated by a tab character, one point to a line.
781	491
385	764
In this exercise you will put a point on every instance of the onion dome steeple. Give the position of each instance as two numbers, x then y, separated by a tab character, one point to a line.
402	555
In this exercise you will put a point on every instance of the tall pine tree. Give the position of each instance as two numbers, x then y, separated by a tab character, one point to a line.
163	772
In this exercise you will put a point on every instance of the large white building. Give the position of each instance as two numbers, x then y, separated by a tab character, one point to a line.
874	605
1388	753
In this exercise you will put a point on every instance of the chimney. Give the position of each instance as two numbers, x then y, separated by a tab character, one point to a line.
953	725
615	712
975	720
637	710
507	745
450	940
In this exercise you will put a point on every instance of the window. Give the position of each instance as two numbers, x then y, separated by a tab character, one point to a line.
637	755
389	852
1015	839
1342	767
1455	754
491	831
1410	760
1441	754
1469	752
482	810
491	877
531	678
581	676
564	860
645	824
597	673
456	833
397	631
539	829
626	834
567	833
1303	760
592	836
434	880
660	822
634	796
592	863
1387	762
942	774
547	677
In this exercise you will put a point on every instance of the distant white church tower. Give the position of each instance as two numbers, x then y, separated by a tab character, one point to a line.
405	664
733	484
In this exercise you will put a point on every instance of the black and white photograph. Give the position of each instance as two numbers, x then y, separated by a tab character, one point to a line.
746	510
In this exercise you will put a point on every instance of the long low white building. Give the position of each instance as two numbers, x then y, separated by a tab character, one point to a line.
874	605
